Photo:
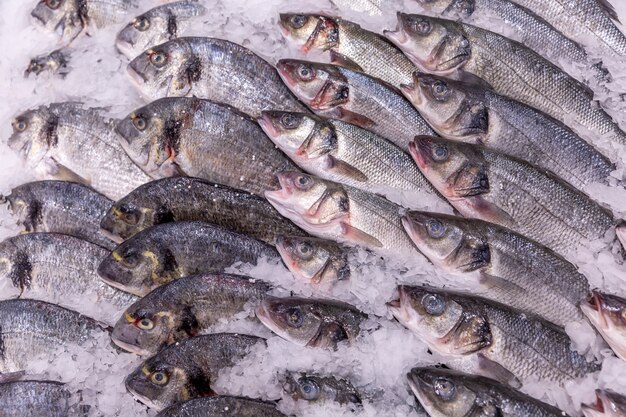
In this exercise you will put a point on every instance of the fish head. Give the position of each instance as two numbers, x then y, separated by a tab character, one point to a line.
125	219
34	134
608	404
15	265
608	314
64	15
442	393
24	206
449	8
310	31
151	28
312	260
313	388
300	136
435	45
319	86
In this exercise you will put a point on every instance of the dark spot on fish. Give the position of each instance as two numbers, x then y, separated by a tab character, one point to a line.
200	382
163	215
50	130
172	26
2	346
189	323
83	11
21	273
343	203
193	70
172	131
34	216
169	261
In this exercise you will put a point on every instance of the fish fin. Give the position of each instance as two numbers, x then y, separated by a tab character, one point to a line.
63	173
496	371
609	9
11	376
358	236
344	169
343	61
170	169
328	335
355	118
494	282
489	211
472	79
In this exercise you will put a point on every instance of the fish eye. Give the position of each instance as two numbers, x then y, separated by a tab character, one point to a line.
128	215
445	389
305	72
158	59
303	181
20	125
290	121
53	4
130	260
440	153
295	318
433	304
305	249
140	123
145	324
440	90
159	378
421	26
297	21
142	24
436	229
309	389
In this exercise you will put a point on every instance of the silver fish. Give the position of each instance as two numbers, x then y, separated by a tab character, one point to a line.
607	313
313	260
222	406
373	7
609	404
318	388
34	398
55	62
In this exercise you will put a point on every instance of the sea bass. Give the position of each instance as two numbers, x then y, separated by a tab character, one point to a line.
222	406
34	398
69	142
373	7
608	315
318	388
200	138
184	198
214	69
609	404
313	260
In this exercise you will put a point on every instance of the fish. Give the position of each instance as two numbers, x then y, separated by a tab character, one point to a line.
492	339
445	47
349	45
167	252
338	212
61	269
213	69
607	313
444	392
318	388
344	153
354	97
491	186
184	308
187	369
55	62
66	141
34	398
72	17
175	199
508	267
60	207
313	260
222	406
470	113
156	26
188	136
311	322
609	404
29	328
373	7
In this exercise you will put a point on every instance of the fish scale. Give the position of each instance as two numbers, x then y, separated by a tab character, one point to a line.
222	406
36	398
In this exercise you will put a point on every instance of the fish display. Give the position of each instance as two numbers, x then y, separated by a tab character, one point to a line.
169	251
176	199
313	260
607	313
199	138
222	406
69	142
314	388
609	404
35	398
184	308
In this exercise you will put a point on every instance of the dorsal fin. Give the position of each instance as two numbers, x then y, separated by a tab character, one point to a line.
609	9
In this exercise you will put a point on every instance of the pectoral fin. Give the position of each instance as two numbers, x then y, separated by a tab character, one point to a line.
496	371
355	118
342	60
500	284
61	172
359	237
11	376
479	207
344	169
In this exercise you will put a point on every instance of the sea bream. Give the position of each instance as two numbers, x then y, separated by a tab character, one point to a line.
55	62
34	398
213	69
222	406
200	138
607	313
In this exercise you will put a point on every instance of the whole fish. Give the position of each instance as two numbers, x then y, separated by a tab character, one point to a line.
317	388
354	97
344	153
214	69
338	212
69	142
182	309
187	369
170	251
317	261
469	113
311	322
71	17
222	406
34	398
157	25
445	47
349	45
491	338
184	198
491	186
55	62
373	7
607	313
609	404
444	393
30	328
60	207
510	268
200	138
61	269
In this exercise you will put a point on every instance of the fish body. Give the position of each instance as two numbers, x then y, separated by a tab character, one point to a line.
192	199
34	398
311	322
187	369
313	260
373	7
317	388
30	328
607	313
473	114
199	138
61	269
158	25
349	45
609	404
170	251
491	186
354	97
338	212
69	142
445	47
184	308
213	69
54	62
60	207
222	406
498	341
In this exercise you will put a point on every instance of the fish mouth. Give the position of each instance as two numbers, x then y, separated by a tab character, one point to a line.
413	91
416	148
135	76
125	47
144	400
121	286
265	121
130	347
111	236
285	70
592	308
265	317
397	36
